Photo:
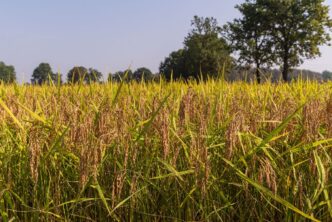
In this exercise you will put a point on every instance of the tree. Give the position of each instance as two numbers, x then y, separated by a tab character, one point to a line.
174	65
83	75
77	74
43	74
206	52
7	73
143	74
93	76
327	76
298	28
119	76
250	36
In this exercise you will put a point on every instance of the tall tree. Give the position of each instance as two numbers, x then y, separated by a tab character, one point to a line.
119	76
174	65
77	74
7	73
206	52
83	75
250	37
298	28
43	74
143	74
93	75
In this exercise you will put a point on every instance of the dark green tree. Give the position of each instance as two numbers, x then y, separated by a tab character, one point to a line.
77	74
174	65
298	28
119	76
206	52
43	74
83	75
93	75
7	73
249	36
327	75
143	74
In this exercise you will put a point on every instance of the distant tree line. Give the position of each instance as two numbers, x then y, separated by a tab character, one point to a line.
327	75
141	74
274	75
7	73
269	33
43	74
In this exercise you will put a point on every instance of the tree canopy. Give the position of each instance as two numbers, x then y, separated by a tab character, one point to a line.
43	74
281	32
143	73
93	75
7	73
119	76
174	63
83	75
249	36
77	74
205	53
299	27
140	74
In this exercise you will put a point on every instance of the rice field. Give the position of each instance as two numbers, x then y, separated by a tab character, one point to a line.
212	151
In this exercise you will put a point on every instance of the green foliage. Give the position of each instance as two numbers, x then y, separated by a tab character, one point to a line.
143	74
298	29
293	29
77	74
327	75
43	74
174	65
93	76
128	75
7	73
83	75
120	76
205	53
249	36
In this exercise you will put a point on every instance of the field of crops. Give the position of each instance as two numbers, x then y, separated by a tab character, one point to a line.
212	151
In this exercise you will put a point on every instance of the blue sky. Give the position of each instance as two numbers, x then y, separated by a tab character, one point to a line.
106	34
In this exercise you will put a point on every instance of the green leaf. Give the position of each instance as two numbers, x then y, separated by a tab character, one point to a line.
268	192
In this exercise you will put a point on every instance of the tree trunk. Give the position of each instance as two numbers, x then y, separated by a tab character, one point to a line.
258	76
285	72
285	69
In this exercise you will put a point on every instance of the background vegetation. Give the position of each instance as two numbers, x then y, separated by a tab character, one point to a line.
270	33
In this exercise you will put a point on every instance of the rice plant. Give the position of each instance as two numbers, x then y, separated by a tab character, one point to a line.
212	151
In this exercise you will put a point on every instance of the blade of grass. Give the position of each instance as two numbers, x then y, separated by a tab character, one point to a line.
268	192
148	124
104	200
9	112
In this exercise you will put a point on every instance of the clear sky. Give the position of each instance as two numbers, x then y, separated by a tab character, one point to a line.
108	35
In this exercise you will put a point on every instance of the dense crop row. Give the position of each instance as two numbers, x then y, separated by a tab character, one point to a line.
166	152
